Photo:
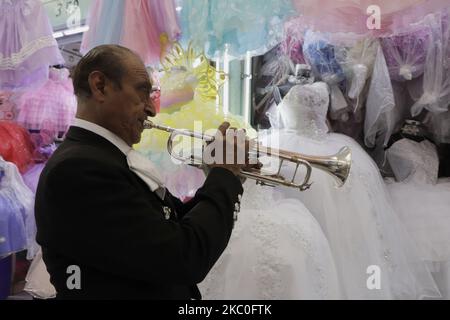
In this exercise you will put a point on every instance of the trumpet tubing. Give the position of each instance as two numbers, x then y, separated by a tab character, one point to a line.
337	165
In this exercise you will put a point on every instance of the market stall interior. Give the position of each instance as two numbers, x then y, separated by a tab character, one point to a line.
308	77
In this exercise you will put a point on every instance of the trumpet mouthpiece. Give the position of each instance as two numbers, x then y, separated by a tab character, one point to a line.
148	124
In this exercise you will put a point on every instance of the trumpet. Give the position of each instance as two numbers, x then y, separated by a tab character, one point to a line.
337	165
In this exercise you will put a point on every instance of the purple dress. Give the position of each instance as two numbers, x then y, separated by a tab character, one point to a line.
27	45
406	52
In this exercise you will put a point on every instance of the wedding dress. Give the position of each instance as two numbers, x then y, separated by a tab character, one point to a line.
358	219
423	202
277	251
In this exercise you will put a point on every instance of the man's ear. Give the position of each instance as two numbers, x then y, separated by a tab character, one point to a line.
97	83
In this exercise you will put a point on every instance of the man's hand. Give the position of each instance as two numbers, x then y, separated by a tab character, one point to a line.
230	150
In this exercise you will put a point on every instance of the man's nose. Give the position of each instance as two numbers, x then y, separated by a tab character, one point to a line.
150	108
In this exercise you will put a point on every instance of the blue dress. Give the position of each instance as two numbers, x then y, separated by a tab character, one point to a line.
12	223
17	223
320	54
251	25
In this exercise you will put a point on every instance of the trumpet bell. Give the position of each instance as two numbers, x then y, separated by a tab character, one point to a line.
339	165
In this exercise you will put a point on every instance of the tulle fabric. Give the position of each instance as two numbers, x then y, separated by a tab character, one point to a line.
423	209
16	145
420	197
358	219
292	45
12	225
235	26
167	20
277	251
319	52
101	31
140	31
436	80
355	16
51	107
357	61
439	126
27	45
380	101
360	223
145	26
405	53
422	201
20	210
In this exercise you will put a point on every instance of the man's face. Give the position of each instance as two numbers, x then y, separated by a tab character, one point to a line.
128	107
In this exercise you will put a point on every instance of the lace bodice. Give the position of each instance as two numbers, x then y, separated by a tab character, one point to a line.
304	109
414	161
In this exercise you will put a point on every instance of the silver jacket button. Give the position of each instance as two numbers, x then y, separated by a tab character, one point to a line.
167	212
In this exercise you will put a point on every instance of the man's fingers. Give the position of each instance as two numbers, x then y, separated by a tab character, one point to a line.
224	127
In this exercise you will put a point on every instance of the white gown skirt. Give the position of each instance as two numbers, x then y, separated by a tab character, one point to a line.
425	211
360	223
277	251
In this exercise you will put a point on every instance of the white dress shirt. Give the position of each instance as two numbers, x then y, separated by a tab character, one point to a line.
143	167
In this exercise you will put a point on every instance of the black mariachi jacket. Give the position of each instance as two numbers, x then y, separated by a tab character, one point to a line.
94	213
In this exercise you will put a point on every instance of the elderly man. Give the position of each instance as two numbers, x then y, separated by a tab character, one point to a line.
107	226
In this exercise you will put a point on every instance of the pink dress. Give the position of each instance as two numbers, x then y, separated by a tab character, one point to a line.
51	107
147	27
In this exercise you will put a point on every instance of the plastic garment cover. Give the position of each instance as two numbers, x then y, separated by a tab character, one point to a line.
405	53
388	123
357	62
436	79
292	45
380	100
320	54
31	177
